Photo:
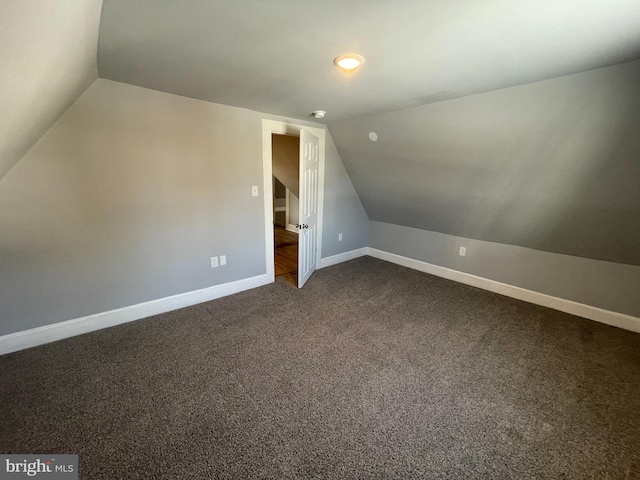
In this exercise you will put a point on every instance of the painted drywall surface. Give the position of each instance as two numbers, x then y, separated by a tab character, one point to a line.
126	199
551	165
607	285
48	57
285	154
343	211
276	55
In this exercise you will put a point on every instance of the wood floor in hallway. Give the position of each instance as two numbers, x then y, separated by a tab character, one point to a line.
286	254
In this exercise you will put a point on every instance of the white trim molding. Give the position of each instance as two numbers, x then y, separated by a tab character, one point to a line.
342	257
615	319
70	328
270	127
50	333
286	206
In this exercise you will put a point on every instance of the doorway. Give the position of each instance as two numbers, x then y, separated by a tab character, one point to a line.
285	163
285	255
310	161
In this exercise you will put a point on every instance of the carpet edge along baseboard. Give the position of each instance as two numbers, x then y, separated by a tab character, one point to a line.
57	331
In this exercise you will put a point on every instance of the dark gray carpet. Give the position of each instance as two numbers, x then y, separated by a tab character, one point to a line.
371	371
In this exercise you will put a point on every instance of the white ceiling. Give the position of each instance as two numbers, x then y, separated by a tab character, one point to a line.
276	56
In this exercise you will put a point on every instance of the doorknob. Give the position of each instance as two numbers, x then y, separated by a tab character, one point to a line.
302	225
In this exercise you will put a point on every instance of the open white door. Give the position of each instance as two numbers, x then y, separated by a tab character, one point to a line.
308	226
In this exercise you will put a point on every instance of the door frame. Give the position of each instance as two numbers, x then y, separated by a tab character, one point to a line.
270	127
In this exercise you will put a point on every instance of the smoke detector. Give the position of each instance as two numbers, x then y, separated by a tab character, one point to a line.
319	113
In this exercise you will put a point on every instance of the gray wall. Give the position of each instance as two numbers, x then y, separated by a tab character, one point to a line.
343	211
48	58
607	285
128	195
285	154
552	165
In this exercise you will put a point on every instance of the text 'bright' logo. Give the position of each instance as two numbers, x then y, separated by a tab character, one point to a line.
26	466
30	468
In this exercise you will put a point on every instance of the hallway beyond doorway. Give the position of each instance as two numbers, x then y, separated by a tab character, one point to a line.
286	254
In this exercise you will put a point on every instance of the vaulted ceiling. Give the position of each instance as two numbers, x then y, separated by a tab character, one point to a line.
478	135
276	55
551	165
487	129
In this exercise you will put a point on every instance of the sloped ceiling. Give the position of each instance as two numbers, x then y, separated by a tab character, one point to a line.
48	58
507	121
552	165
276	56
487	129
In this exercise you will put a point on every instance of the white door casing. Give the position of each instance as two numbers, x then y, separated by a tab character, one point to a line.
308	207
270	127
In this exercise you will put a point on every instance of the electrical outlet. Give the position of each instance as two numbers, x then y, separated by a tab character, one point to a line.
223	259
254	190
214	262
463	251
339	237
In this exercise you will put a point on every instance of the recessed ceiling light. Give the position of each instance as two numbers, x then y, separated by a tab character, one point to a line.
349	62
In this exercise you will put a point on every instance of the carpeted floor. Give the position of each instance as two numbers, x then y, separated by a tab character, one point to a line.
371	371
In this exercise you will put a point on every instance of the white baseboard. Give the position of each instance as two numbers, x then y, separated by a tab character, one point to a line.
342	257
615	319
70	328
292	228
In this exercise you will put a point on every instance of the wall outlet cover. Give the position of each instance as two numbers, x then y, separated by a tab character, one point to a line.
463	251
214	262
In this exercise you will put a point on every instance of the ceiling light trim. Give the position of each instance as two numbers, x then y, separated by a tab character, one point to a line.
349	61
